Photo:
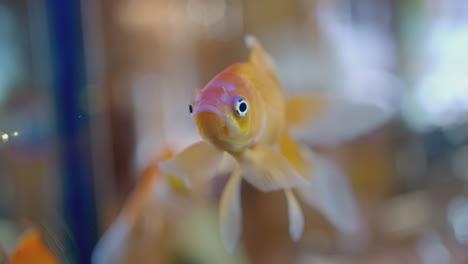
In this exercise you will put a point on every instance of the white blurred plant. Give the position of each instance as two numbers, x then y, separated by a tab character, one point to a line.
439	97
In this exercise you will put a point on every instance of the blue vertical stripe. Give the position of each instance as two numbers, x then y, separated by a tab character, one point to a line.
73	126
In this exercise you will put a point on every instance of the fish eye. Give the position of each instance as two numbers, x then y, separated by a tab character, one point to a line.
241	107
190	108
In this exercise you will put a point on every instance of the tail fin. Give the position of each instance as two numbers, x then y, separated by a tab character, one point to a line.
331	193
230	211
296	218
328	189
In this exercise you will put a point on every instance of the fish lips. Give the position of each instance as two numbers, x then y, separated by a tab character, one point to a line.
210	121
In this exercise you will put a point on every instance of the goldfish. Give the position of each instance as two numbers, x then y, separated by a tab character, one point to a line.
243	114
31	249
142	232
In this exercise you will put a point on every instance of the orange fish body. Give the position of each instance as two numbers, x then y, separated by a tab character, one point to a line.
32	250
242	113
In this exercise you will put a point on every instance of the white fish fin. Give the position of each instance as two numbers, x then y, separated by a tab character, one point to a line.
230	212
112	246
268	170
199	161
331	194
328	119
228	164
296	218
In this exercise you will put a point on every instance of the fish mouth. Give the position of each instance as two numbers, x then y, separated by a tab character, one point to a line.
205	108
210	122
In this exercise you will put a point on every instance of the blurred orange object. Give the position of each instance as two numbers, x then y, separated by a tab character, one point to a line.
31	249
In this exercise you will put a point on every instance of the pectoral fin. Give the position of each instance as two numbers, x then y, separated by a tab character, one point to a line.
331	194
296	218
230	213
302	110
197	162
269	170
326	119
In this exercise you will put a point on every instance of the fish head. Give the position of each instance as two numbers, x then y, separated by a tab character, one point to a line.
228	112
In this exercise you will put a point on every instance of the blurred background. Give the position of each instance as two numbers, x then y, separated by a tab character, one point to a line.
93	93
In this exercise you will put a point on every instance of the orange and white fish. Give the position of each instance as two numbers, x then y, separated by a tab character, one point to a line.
142	223
243	113
31	249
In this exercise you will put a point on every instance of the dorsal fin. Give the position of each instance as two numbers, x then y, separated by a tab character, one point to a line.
259	56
